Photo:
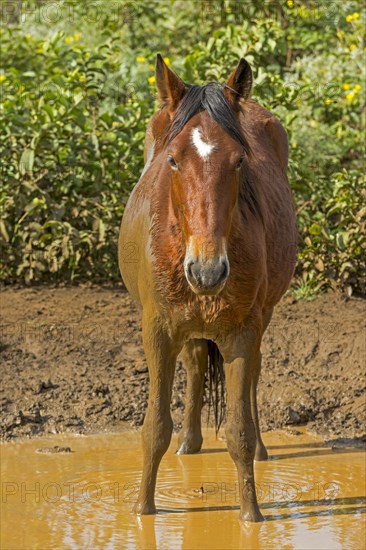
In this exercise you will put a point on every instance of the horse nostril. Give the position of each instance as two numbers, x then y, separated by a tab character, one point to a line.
193	272
225	270
189	269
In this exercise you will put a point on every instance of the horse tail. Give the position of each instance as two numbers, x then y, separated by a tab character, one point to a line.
216	385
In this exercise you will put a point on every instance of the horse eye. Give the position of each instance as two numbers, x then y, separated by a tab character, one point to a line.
239	163
172	162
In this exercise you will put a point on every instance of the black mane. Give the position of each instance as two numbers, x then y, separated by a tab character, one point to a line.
211	98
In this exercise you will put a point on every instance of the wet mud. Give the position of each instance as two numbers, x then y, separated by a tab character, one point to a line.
72	361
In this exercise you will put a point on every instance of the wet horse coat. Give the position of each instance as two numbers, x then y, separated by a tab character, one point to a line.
207	246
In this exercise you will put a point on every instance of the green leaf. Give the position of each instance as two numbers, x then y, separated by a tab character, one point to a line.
26	161
3	231
315	229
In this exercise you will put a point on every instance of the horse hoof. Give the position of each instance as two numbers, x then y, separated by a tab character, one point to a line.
253	516
261	454
186	448
144	509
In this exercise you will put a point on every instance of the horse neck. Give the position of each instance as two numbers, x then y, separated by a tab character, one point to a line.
157	130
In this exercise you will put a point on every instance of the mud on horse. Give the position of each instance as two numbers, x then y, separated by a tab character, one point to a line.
207	247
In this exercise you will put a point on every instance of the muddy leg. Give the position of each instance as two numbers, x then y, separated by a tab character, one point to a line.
158	425
260	449
240	429
195	358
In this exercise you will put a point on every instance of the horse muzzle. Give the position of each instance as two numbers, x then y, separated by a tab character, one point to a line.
209	277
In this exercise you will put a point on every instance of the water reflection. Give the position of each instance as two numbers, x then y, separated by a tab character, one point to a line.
84	499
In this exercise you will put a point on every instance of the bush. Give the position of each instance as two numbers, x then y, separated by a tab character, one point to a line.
72	144
332	251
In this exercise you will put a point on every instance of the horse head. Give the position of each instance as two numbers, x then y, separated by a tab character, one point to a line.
197	131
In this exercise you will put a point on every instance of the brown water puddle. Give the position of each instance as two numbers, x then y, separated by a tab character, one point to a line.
310	495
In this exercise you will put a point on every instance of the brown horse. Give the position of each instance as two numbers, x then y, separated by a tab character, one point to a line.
207	246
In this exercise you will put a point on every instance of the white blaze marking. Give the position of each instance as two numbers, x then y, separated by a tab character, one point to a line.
204	149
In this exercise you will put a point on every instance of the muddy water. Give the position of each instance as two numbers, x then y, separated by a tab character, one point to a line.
310	496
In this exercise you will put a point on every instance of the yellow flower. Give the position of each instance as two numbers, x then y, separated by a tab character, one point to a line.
350	96
151	79
2	77
140	59
293	145
152	67
167	61
290	3
115	123
352	47
74	38
328	101
357	88
349	18
356	15
346	86
340	34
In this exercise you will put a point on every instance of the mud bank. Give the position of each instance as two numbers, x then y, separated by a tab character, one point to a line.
72	361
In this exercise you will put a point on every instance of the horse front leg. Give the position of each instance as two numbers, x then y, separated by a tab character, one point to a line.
158	425
195	359
240	366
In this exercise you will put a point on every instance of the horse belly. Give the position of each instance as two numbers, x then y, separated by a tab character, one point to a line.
281	261
132	241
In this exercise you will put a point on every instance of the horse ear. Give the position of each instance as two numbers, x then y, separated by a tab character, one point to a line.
171	88
239	83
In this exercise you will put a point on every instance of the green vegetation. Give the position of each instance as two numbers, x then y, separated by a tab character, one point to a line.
77	90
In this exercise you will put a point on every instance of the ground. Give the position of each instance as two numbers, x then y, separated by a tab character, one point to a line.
72	360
